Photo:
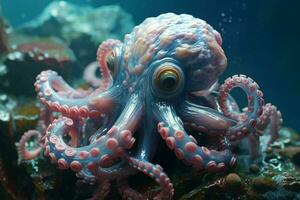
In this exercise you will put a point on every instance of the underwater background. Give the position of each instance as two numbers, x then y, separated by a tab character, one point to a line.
261	39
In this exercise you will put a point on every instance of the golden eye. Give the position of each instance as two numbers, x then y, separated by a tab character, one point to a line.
111	62
168	78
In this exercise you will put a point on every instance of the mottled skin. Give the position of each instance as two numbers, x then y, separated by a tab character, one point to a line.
162	83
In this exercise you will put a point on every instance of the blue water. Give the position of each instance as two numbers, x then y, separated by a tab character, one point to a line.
261	38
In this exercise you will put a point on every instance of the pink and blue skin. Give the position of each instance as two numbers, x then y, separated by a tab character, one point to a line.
160	83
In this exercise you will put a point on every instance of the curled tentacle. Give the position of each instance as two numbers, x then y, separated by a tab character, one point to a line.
46	118
24	153
184	146
156	172
49	85
247	120
101	152
103	51
89	75
271	116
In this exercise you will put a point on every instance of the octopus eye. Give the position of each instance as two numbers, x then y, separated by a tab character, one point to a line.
111	62
168	79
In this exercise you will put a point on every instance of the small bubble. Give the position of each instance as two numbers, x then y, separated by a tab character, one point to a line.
244	6
23	15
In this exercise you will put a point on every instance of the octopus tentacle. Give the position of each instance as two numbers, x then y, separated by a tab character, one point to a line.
156	172
121	170
103	190
101	152
253	145
87	177
212	101
171	130
127	192
29	154
204	119
49	84
46	117
145	151
271	116
247	120
103	51
89	75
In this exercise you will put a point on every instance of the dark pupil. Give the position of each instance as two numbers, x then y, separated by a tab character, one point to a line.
168	82
110	62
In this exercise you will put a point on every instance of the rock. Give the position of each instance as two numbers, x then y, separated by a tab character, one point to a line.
13	180
296	159
25	117
263	184
293	153
268	150
233	181
254	195
290	183
254	168
83	27
31	55
293	186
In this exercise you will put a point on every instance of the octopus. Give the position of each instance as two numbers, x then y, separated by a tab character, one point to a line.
159	84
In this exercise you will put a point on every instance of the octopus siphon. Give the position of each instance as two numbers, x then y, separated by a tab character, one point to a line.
160	83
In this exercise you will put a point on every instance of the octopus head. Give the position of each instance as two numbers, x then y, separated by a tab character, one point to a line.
179	53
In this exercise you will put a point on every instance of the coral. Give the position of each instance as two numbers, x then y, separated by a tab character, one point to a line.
82	27
28	56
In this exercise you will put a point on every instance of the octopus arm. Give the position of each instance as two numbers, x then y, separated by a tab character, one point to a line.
51	89
156	172
104	50
270	116
99	153
185	147
121	170
23	152
247	120
127	192
103	190
204	119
